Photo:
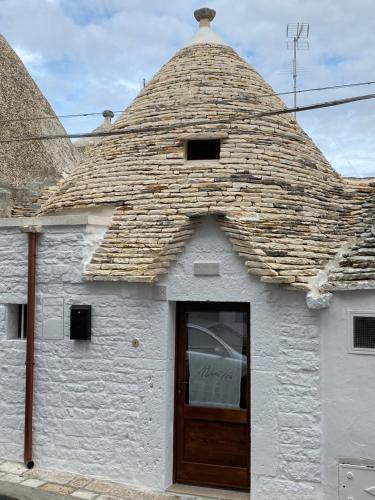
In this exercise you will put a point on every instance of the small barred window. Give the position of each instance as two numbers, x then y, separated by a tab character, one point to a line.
364	332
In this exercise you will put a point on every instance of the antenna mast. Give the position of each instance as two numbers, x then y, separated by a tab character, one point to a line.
298	33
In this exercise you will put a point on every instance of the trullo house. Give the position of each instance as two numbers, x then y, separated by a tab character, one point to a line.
27	167
200	297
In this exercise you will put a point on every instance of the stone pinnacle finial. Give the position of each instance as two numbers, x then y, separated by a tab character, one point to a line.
108	115
205	35
204	16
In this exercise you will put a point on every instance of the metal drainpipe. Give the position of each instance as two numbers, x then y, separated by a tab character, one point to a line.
30	329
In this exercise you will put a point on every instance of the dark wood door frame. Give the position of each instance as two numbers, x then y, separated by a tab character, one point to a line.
182	411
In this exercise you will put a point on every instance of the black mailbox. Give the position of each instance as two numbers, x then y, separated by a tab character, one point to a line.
80	322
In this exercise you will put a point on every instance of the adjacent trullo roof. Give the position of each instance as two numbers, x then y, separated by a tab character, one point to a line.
27	166
84	143
285	210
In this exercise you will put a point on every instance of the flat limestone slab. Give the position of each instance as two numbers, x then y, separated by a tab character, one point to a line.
12	478
80	482
33	483
25	493
84	494
55	220
12	468
50	476
118	490
60	489
200	492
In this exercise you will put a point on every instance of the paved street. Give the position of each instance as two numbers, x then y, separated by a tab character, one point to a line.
10	491
19	483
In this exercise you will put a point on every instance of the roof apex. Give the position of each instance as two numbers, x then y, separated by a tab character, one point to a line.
205	34
204	14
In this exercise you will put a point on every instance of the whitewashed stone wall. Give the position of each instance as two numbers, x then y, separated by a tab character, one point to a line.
106	408
348	402
100	406
285	366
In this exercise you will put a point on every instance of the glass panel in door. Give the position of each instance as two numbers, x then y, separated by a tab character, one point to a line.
216	359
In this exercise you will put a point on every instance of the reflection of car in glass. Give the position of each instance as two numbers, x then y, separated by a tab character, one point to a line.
229	335
208	341
217	371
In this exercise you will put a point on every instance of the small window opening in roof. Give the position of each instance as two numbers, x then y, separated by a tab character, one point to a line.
208	149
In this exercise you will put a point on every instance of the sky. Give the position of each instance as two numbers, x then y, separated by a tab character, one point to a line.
91	55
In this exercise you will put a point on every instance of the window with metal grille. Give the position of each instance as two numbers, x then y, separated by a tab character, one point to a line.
364	332
207	149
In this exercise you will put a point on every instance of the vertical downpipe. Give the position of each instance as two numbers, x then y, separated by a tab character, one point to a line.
30	330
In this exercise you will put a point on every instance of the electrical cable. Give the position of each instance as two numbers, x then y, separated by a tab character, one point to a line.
320	105
255	98
326	104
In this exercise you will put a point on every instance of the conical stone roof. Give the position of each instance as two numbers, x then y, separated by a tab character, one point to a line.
282	205
83	144
26	167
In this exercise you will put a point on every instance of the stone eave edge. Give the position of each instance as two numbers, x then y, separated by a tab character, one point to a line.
54	220
322	288
320	296
347	286
126	279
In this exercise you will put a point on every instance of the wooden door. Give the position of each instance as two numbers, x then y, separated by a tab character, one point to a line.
212	397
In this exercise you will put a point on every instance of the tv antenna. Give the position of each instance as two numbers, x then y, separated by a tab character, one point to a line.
298	34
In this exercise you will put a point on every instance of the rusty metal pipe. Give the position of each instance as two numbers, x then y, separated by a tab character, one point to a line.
30	330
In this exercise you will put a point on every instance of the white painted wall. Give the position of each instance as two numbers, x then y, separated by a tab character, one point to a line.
285	366
106	408
100	406
348	391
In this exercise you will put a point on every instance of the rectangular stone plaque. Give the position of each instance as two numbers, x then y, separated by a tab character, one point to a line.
159	292
206	268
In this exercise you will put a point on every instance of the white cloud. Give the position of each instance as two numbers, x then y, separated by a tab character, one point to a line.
32	60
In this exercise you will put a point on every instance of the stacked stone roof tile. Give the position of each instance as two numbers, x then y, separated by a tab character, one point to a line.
26	167
354	265
285	210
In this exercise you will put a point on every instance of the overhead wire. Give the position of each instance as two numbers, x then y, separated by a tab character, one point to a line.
319	105
118	132
315	89
255	98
